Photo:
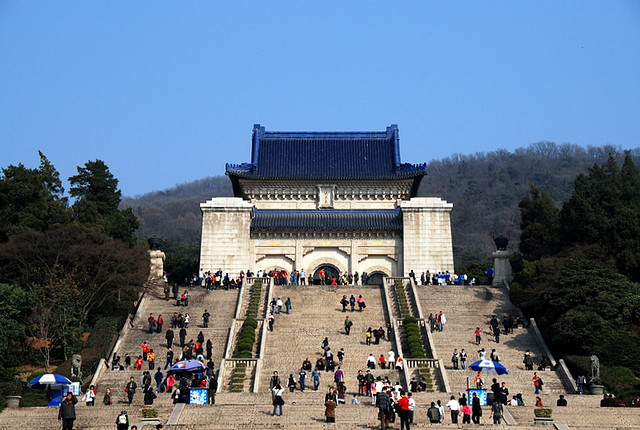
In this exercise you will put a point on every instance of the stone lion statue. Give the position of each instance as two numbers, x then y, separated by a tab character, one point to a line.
76	366
595	367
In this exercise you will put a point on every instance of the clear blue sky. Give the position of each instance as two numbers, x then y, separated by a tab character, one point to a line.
166	92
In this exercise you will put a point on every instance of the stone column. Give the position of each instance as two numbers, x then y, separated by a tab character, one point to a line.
157	258
353	257
502	268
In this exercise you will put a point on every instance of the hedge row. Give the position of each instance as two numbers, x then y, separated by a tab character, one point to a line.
401	298
413	338
255	295
247	337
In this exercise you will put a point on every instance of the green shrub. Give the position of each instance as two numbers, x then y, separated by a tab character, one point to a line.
10	389
245	346
33	398
149	413
543	412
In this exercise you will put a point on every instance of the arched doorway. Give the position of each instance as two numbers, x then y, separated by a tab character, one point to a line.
375	278
330	272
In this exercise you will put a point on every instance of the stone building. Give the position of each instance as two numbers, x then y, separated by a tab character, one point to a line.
339	201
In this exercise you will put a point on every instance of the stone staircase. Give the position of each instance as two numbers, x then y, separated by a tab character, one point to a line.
582	412
220	304
468	307
316	314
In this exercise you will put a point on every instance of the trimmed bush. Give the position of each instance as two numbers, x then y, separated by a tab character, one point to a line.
542	412
149	413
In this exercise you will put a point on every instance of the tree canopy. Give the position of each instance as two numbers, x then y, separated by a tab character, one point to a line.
605	209
61	263
579	267
31	199
98	201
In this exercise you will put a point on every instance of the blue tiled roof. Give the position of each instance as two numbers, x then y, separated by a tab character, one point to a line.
358	219
325	155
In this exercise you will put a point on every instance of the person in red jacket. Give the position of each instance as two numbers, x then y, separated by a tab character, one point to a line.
403	410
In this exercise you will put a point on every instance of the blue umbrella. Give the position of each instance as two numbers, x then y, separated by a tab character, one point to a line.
41	382
187	366
488	366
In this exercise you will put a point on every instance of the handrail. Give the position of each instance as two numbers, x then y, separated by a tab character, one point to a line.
566	377
541	342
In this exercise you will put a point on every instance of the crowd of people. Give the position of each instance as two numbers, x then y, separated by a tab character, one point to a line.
213	280
393	401
441	278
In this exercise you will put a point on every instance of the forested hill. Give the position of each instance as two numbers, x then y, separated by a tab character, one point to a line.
485	189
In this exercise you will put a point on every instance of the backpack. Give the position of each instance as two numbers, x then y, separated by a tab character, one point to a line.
122	419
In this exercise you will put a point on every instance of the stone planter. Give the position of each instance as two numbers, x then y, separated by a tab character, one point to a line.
13	401
543	421
543	416
596	389
150	421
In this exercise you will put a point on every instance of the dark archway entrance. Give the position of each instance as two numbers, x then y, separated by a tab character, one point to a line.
329	273
375	278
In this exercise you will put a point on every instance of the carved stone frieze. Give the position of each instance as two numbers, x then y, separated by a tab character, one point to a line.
342	191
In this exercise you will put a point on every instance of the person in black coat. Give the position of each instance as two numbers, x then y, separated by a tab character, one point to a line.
213	388
476	409
67	411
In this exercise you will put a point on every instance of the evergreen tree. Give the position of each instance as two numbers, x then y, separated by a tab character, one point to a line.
605	210
95	183
98	199
31	199
540	225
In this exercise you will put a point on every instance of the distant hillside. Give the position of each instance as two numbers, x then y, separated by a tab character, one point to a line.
175	213
485	189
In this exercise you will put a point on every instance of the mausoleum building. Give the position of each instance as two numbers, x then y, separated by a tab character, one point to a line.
342	201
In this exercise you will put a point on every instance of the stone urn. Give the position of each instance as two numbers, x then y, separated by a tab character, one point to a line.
501	243
154	243
596	389
13	401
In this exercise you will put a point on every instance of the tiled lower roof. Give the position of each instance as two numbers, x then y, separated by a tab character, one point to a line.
355	219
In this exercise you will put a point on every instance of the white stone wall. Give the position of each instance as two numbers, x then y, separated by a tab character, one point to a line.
345	254
427	243
226	243
424	244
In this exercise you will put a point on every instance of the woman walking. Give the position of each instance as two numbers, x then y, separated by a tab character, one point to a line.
278	401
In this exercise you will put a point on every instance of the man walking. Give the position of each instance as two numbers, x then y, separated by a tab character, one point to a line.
403	410
383	401
67	411
347	325
131	389
316	379
433	414
454	407
497	410
205	318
